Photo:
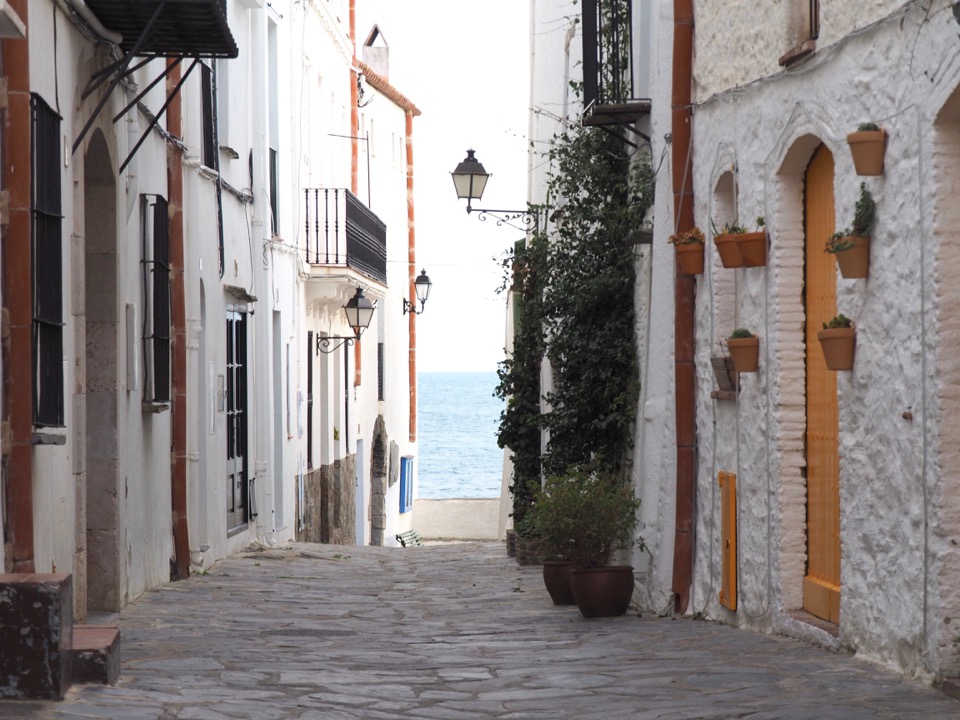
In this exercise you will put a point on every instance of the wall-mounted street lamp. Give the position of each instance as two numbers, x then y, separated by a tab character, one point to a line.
470	179
359	312
422	287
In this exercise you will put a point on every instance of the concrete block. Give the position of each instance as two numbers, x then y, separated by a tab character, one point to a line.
36	624
96	654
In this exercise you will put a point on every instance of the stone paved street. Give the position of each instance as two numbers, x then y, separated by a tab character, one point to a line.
449	632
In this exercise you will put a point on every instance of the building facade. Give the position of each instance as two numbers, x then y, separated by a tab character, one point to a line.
796	499
185	216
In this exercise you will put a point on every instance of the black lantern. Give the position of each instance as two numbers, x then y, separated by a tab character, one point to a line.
470	180
359	312
422	287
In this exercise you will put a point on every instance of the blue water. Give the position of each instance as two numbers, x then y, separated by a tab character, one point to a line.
457	423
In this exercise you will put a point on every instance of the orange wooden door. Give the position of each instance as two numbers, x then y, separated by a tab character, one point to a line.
821	585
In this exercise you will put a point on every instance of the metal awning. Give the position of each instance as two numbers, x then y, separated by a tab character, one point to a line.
169	28
175	29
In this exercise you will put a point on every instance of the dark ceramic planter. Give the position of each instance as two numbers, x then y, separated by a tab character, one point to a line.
556	578
602	592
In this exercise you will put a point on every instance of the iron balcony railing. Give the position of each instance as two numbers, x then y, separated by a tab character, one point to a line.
343	232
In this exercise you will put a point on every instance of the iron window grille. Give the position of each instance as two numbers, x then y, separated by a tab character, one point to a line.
275	191
238	491
209	148
155	263
607	67
46	266
380	371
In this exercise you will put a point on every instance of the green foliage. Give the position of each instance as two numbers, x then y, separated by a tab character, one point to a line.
840	321
582	517
864	212
863	216
588	302
732	228
693	236
575	279
519	376
867	127
741	333
839	241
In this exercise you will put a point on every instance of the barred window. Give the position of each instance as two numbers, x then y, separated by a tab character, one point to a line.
47	267
155	262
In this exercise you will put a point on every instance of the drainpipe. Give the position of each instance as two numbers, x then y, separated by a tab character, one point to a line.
684	304
354	151
17	293
411	273
178	473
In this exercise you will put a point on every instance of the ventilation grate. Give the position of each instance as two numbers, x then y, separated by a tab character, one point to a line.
309	632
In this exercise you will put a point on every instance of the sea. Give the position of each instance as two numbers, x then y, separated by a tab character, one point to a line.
457	420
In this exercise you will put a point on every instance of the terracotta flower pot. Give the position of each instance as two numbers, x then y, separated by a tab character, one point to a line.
690	258
604	591
745	353
556	578
867	148
753	248
729	249
838	347
855	262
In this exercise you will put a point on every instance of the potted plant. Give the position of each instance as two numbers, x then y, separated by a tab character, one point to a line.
744	348
867	146
689	250
727	244
838	340
851	246
753	245
583	516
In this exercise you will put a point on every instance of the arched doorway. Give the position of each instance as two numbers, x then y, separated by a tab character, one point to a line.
101	362
821	582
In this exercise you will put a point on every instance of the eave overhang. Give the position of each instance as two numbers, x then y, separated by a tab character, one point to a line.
169	28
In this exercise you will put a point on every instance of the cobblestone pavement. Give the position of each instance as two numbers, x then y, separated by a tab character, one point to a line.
449	632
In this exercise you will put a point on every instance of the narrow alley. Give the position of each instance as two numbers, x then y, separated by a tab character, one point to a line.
450	631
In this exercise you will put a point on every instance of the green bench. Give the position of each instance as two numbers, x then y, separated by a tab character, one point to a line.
409	538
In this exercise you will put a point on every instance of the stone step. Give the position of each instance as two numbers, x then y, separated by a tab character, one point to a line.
96	654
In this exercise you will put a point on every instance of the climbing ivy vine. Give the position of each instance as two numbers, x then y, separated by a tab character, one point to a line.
575	282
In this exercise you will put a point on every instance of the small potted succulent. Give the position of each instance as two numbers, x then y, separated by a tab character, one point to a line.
689	249
744	348
867	146
838	341
851	246
727	242
753	245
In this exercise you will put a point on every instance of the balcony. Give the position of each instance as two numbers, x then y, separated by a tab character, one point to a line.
169	28
342	232
615	83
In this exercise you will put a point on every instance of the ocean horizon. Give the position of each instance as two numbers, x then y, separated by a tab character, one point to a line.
457	420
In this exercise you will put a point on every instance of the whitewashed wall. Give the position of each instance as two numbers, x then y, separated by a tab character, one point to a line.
899	578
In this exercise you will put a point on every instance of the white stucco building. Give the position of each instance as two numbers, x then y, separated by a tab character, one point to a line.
845	496
170	174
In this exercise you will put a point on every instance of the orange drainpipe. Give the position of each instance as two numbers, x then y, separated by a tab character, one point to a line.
684	304
411	272
17	293
354	150
178	474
